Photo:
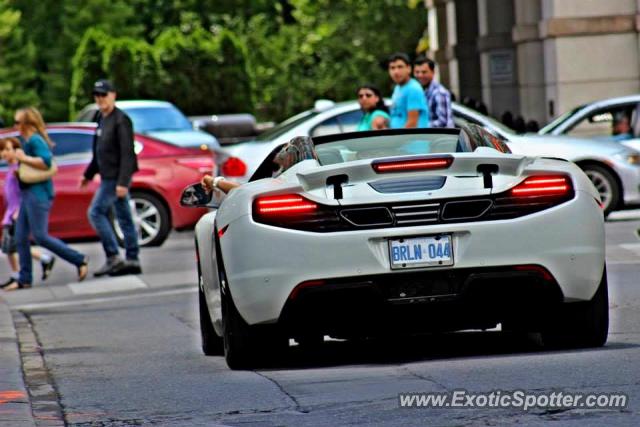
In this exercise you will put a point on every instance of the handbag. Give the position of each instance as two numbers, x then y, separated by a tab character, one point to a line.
29	175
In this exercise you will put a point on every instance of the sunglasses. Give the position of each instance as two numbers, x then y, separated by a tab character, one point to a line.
17	122
365	95
99	94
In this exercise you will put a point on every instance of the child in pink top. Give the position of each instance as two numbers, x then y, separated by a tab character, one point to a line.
11	193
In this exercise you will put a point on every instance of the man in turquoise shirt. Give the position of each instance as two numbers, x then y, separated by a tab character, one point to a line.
409	106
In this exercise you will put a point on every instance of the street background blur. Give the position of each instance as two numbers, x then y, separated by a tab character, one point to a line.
534	58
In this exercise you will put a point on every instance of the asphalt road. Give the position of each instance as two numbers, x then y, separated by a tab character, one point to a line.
125	352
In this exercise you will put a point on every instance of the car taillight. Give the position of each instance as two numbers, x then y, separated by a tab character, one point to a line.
296	212
410	165
234	166
552	185
201	164
289	204
534	194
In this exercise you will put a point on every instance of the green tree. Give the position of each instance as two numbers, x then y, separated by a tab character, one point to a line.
326	50
17	58
131	64
198	71
56	28
204	73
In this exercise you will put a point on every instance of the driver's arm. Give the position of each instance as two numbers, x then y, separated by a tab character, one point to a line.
218	183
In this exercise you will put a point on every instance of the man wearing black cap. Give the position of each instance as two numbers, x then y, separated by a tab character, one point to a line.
115	160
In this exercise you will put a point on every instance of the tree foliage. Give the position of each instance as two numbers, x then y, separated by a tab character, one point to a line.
329	48
17	59
205	56
197	70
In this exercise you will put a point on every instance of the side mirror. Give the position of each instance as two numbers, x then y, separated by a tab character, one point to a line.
195	196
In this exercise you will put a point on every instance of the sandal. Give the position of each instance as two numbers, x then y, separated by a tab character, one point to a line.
83	269
15	285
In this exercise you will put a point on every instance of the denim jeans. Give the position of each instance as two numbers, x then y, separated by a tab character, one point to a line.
34	219
99	211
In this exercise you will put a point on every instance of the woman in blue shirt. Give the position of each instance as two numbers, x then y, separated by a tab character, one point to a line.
37	198
376	114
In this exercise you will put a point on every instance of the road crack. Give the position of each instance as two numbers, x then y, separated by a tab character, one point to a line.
423	377
296	405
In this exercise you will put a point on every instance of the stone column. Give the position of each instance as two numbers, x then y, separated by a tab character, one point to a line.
453	36
439	47
530	58
465	50
591	50
498	56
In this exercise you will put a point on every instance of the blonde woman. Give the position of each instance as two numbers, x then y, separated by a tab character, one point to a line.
8	147
33	218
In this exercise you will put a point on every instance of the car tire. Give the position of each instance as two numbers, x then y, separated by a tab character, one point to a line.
606	184
247	346
238	345
157	223
581	324
212	344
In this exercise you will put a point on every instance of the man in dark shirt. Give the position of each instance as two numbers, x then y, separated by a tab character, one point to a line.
115	160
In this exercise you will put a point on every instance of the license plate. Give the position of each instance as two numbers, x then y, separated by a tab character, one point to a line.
431	251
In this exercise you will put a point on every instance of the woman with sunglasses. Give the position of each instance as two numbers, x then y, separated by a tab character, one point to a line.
33	217
376	114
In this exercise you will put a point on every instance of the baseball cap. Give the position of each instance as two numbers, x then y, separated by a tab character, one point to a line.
103	86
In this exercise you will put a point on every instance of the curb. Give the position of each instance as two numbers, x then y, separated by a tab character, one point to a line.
15	404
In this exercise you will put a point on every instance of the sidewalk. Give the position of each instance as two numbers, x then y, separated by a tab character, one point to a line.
163	273
15	405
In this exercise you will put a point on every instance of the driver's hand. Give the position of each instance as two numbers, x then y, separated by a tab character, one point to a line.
207	183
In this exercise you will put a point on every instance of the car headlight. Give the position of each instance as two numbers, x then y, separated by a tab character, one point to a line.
630	158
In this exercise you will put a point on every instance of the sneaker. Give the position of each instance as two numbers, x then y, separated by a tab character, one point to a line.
107	268
9	280
130	266
83	269
47	267
14	285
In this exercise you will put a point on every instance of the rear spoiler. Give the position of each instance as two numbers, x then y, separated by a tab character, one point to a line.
464	164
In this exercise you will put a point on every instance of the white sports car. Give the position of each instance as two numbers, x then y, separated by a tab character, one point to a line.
401	231
613	168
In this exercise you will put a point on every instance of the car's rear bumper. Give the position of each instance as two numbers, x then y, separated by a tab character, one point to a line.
422	301
264	264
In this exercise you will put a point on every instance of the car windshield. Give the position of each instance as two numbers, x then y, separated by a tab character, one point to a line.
150	119
286	126
375	146
558	121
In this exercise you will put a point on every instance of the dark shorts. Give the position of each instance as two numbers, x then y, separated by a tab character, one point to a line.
9	239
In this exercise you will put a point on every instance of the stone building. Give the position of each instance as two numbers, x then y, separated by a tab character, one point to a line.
537	58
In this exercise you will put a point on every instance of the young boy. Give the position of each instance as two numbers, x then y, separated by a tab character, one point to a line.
11	193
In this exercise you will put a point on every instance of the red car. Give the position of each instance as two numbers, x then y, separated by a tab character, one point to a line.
165	170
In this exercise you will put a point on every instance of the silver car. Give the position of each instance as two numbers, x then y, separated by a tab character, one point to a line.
613	168
595	120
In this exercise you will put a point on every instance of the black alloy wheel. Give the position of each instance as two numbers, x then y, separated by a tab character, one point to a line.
580	324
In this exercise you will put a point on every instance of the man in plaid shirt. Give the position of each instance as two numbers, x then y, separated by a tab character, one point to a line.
438	97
